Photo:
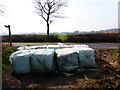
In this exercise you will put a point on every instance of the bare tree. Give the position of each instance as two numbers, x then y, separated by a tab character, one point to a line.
49	9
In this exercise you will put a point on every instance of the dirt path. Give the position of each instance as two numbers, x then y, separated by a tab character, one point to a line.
93	45
105	75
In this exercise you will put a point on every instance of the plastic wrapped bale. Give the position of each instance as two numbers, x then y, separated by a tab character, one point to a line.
20	62
60	44
67	59
53	47
23	48
86	57
42	60
65	51
31	47
66	46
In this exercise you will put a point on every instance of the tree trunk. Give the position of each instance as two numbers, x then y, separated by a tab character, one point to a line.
47	21
47	28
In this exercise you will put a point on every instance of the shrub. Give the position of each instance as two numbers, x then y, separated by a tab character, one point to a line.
6	52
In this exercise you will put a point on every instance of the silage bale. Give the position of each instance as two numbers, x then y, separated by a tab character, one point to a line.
42	60
20	62
86	57
67	60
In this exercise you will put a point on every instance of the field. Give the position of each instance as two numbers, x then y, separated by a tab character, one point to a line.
106	75
76	38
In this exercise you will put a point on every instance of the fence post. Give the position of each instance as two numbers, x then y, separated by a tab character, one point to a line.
10	39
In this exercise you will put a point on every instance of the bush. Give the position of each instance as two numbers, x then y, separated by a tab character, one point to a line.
6	52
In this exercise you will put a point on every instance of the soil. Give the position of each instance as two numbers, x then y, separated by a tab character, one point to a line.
105	75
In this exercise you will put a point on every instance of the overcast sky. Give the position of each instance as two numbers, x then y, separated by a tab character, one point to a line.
81	15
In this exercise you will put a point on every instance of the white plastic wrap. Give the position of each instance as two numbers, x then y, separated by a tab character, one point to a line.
59	46
86	57
67	60
31	47
42	60
53	47
26	61
80	46
20	62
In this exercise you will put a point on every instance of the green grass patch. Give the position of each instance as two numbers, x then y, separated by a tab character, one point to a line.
114	55
62	36
115	51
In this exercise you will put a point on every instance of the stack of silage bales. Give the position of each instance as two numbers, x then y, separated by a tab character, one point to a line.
49	57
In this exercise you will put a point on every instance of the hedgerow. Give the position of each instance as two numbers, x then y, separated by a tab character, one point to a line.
82	38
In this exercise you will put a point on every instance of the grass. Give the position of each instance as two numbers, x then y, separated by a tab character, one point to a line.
114	54
62	36
6	52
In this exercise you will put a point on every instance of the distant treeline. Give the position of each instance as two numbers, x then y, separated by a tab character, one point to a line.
81	38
